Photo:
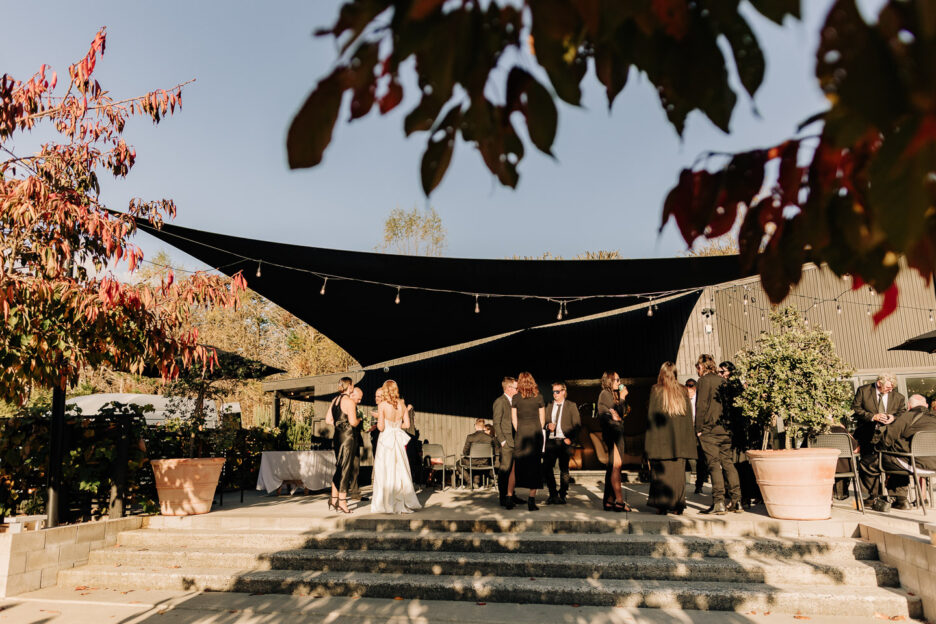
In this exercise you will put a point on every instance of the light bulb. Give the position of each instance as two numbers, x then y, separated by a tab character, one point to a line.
477	307
397	300
258	269
559	315
650	310
322	292
869	311
838	307
931	316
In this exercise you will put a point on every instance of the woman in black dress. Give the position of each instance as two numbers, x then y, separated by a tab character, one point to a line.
343	416
528	415
612	409
670	441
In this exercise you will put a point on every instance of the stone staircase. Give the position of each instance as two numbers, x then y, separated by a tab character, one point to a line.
626	564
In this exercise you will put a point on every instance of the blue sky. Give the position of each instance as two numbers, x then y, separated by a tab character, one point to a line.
222	159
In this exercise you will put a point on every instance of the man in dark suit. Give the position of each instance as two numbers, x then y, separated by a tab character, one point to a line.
504	433
875	405
481	436
715	439
562	427
896	436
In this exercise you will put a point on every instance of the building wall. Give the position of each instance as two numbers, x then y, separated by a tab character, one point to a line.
736	325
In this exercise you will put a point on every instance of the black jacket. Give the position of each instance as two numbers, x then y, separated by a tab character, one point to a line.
898	434
478	436
865	407
709	396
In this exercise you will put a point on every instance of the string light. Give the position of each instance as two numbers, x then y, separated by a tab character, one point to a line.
714	289
559	315
477	307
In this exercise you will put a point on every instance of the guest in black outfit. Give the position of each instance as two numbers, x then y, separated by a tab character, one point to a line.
528	416
343	416
701	468
562	427
670	441
504	434
478	435
716	441
612	409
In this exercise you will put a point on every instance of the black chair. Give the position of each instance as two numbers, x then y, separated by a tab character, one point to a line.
480	451
843	442
436	460
922	444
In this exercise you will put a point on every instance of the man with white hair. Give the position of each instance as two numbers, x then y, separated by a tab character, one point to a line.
875	405
896	436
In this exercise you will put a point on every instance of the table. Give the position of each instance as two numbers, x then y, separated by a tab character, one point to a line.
314	469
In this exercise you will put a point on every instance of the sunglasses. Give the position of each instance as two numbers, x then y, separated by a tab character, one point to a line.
558	391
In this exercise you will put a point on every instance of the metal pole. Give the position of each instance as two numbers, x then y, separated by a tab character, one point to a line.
56	457
276	409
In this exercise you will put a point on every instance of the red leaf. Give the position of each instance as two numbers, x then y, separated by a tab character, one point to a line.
790	173
421	9
887	306
391	98
674	15
311	128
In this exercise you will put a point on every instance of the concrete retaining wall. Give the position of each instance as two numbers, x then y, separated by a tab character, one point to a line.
31	560
914	556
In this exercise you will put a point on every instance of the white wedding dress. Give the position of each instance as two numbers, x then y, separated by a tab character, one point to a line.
393	484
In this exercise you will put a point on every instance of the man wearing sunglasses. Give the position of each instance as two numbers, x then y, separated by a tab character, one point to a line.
562	426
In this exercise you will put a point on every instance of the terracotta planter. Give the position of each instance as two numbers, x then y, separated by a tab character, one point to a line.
796	484
186	486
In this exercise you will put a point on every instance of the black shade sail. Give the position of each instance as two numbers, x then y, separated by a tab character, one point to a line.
924	342
437	296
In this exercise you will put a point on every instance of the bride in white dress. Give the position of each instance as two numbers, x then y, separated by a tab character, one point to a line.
393	484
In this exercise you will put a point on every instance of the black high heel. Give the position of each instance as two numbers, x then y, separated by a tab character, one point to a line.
333	502
531	504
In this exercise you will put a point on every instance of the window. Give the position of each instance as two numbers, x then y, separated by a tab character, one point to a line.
922	384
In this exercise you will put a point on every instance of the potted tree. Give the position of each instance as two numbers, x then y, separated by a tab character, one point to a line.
793	380
186	485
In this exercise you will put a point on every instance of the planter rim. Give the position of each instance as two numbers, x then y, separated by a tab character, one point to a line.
187	460
791	453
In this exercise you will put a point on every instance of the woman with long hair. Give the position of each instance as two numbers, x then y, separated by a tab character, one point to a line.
528	415
670	441
393	482
342	415
612	409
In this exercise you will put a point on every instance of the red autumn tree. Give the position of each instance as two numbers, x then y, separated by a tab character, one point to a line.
62	307
857	196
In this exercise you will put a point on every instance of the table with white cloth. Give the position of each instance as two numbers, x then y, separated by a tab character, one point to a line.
314	469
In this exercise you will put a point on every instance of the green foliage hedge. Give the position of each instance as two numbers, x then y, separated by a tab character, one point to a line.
91	443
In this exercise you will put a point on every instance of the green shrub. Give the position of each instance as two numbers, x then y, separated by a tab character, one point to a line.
793	374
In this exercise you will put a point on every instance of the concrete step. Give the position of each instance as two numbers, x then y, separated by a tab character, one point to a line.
760	569
742	597
576	522
680	546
